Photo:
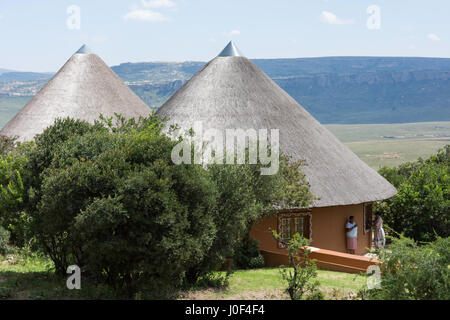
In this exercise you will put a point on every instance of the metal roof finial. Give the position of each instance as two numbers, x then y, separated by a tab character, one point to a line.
230	51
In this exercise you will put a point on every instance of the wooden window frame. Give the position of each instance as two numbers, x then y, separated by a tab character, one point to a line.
292	216
367	205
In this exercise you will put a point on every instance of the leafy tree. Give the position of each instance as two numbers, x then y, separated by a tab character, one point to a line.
4	241
7	144
413	272
244	197
421	209
13	193
109	198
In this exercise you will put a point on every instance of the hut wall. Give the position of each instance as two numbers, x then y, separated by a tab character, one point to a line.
327	229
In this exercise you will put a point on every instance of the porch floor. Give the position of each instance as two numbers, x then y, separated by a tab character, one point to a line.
326	260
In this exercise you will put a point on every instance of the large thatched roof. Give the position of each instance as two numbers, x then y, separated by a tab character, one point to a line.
231	92
83	88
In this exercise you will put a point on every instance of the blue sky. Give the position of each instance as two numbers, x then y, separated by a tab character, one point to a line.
34	35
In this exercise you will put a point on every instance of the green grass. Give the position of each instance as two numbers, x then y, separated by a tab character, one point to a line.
33	278
393	153
393	144
401	132
9	106
267	283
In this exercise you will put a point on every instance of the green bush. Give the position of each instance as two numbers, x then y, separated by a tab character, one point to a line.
113	202
301	274
413	272
421	209
4	241
256	262
108	198
13	194
243	197
247	254
5	293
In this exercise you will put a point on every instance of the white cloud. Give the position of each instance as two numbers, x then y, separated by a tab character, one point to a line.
158	4
331	18
145	15
232	33
433	37
212	40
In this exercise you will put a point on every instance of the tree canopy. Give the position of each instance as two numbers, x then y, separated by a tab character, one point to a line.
108	198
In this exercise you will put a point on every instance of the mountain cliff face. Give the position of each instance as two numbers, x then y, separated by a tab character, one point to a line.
332	89
373	97
347	89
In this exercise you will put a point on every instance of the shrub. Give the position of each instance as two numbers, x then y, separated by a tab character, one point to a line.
256	262
4	241
412	272
421	209
113	202
245	253
108	198
5	293
302	270
7	144
245	196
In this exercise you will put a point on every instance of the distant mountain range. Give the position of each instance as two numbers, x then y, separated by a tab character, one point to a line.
5	70
332	89
24	76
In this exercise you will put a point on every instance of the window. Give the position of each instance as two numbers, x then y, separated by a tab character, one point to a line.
292	223
285	231
367	217
299	223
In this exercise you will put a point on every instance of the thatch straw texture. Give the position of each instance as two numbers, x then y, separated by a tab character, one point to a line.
83	88
232	92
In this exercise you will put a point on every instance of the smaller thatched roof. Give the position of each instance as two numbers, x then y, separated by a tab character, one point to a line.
83	88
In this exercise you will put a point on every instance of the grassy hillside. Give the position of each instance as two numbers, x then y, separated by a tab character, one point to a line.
9	106
392	144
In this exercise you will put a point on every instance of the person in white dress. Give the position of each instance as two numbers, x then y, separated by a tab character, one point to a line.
351	230
379	237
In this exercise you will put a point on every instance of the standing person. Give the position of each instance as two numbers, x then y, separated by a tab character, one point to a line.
351	229
379	237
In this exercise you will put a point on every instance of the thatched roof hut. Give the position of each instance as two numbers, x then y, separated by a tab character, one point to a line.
83	88
232	92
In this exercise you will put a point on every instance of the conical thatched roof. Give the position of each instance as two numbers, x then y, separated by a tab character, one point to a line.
83	88
231	92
